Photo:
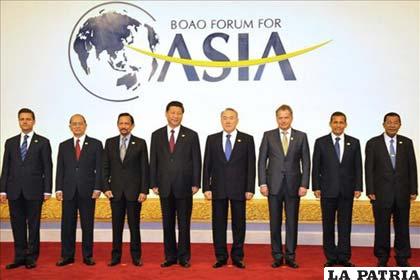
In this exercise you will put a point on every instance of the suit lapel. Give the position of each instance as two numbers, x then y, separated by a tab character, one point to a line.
83	148
331	148
399	146
133	141
164	139
34	141
238	142
292	140
277	141
384	150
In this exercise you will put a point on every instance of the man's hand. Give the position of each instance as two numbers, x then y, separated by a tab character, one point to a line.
109	194
59	196
302	191
3	198
96	194
207	195
155	190
413	196
46	197
142	197
248	195
372	196
357	194
317	193
194	190
264	190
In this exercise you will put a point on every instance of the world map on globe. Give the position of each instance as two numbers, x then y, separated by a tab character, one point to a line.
109	33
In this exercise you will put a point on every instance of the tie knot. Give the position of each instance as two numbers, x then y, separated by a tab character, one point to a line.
391	141
77	141
26	136
284	133
337	139
228	136
172	131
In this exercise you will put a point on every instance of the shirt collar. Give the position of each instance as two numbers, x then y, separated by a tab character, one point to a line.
127	136
81	139
30	134
289	132
232	134
176	129
387	138
333	136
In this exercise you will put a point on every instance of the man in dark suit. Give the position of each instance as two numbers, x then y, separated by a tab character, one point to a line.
126	184
26	181
391	182
337	179
78	185
229	177
283	175
175	172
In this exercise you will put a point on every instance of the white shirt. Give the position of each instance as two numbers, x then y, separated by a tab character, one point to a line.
30	135
232	138
81	141
340	143
176	132
387	142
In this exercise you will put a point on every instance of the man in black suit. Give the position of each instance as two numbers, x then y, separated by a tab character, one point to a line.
391	182
126	184
337	179
26	181
229	176
283	175
78	185
175	171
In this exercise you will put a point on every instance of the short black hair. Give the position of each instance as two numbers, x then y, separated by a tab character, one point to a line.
126	115
338	114
392	114
26	110
175	104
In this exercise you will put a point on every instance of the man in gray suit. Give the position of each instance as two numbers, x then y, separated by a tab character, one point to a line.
283	176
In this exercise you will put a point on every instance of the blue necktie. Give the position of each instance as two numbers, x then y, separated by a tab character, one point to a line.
392	153
337	147
228	147
24	147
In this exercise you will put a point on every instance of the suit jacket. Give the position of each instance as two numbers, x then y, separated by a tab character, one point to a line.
83	175
229	179
330	175
179	171
130	177
295	165
385	182
32	176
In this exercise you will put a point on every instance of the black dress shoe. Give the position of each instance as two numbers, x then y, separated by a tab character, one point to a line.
238	264
15	264
219	263
330	263
185	264
64	261
137	262
167	263
403	263
30	264
89	261
346	263
292	264
382	263
114	262
277	263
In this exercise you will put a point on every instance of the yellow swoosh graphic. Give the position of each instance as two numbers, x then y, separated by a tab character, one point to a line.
229	64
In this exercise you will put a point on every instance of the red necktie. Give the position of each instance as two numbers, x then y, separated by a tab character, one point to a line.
172	141
77	149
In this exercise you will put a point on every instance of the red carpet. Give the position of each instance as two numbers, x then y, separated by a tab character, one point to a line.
257	259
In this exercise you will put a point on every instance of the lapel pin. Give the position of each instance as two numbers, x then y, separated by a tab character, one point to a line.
348	144
86	143
183	135
35	140
291	138
239	140
400	142
133	142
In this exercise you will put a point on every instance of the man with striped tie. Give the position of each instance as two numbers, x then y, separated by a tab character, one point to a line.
26	182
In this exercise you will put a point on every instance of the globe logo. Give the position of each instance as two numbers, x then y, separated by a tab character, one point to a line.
98	53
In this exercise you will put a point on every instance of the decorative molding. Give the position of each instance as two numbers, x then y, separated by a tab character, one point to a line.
256	210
